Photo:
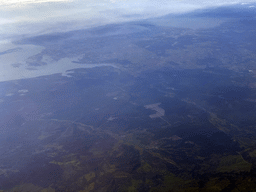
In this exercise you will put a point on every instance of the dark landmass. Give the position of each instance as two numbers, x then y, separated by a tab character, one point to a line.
10	51
94	130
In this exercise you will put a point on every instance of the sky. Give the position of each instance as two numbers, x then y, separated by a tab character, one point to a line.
43	16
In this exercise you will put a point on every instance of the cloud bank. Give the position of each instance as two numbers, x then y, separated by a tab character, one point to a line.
42	16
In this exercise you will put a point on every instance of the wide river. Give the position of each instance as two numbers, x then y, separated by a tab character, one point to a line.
13	64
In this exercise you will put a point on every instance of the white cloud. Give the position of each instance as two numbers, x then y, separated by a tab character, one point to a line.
25	2
33	16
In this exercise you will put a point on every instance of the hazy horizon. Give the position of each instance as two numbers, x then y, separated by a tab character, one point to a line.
44	16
